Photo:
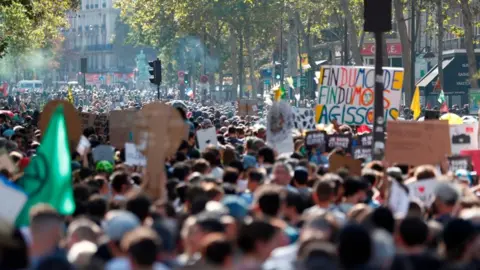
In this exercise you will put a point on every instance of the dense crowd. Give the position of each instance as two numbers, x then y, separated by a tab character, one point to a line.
238	205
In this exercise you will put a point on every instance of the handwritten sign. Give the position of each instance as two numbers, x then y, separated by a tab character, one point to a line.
206	137
417	143
346	93
423	190
133	157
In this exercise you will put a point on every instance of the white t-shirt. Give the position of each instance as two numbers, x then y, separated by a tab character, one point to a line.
123	263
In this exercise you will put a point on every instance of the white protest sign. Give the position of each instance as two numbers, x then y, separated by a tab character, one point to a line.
133	157
83	145
423	190
398	201
346	93
280	123
104	152
206	137
463	137
15	198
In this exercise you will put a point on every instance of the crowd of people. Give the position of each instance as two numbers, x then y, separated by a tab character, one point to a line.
237	205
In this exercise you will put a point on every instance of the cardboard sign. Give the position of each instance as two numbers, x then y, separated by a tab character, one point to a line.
133	157
72	120
83	145
206	137
16	200
304	118
87	119
121	124
247	107
343	141
279	127
363	152
417	143
337	162
423	190
104	152
463	137
101	124
459	163
346	93
398	201
159	130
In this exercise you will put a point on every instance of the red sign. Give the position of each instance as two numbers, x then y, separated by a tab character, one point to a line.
393	49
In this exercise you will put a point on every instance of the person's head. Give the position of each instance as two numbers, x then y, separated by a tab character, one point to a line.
96	207
46	227
139	205
212	155
142	246
202	166
458	236
181	170
232	132
255	179
412	234
282	173
355	190
117	224
82	229
230	175
447	197
352	237
217	251
300	176
120	183
295	204
191	139
324	192
229	155
257	239
425	172
269	200
266	155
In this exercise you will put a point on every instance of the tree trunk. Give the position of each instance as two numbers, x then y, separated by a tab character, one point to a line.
352	29
292	48
251	64
233	61
406	44
440	42
468	40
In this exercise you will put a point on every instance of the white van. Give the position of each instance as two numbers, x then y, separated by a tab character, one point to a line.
29	84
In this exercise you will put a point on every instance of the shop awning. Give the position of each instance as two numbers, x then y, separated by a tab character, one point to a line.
433	74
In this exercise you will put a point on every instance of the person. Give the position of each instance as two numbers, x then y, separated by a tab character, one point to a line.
446	199
46	231
142	246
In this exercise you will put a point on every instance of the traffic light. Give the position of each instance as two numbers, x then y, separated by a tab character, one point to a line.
186	78
278	72
155	71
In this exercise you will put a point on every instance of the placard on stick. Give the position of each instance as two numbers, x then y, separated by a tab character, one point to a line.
418	143
158	132
121	127
72	120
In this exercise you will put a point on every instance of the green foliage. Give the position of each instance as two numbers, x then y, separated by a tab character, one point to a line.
27	25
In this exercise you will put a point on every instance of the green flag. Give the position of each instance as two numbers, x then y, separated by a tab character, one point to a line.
441	97
48	177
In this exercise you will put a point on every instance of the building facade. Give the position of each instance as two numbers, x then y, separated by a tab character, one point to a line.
90	35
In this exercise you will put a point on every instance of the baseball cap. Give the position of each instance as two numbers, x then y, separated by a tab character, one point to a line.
118	223
237	207
104	166
447	193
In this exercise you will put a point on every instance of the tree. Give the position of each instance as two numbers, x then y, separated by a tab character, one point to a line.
469	9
